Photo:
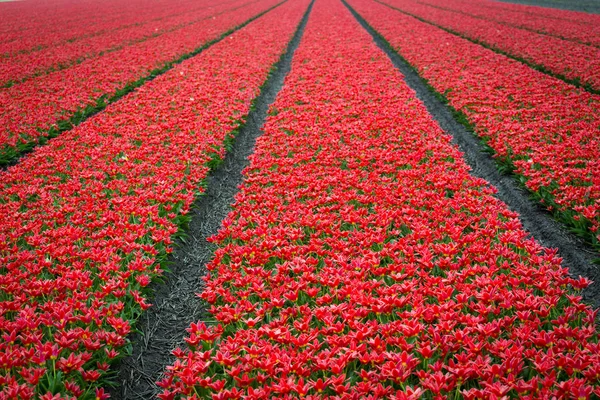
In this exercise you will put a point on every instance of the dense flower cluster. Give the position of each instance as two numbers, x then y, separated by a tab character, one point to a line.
63	54
545	12
361	260
33	25
581	27
83	219
544	127
574	61
30	109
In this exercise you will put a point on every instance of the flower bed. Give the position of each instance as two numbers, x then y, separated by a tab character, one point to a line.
540	127
46	105
34	25
17	68
86	221
361	260
545	12
575	62
583	28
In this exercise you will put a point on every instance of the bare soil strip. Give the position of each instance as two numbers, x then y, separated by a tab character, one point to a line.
577	256
175	304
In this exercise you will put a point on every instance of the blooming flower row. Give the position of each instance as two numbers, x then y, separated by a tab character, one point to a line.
543	127
17	68
86	220
361	260
35	108
34	25
575	62
546	12
584	29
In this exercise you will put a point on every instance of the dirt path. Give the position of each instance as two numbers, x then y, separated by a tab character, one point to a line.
578	257
175	304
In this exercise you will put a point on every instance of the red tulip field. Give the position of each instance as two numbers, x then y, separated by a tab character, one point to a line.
320	199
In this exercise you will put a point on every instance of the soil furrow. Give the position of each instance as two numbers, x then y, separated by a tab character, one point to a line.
577	256
175	304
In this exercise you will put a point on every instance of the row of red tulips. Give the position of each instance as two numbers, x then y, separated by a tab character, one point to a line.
17	68
542	127
33	25
576	62
581	29
361	260
544	12
46	105
86	221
